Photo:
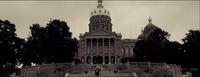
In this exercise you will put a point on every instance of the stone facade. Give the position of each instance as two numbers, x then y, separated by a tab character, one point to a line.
101	45
101	50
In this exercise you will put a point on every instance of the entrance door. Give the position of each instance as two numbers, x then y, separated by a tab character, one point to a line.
106	59
95	60
99	59
88	60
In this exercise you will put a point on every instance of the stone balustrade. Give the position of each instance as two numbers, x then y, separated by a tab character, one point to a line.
140	68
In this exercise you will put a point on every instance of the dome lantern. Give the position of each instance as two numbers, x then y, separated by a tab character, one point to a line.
100	4
150	20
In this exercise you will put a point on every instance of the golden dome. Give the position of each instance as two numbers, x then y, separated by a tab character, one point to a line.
100	10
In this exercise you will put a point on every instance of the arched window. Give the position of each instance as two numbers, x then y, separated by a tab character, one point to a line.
127	51
102	26
112	59
106	28
88	50
97	26
88	60
131	51
106	59
83	60
94	59
93	28
99	10
123	51
90	28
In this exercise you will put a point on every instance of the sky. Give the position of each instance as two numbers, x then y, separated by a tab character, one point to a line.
128	17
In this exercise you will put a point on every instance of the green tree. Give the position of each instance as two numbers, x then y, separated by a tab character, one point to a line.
10	44
191	48
53	43
172	52
153	45
150	43
33	51
61	44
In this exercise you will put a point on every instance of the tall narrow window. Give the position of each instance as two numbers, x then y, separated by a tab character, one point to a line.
93	28
123	51
97	26
88	60
131	51
106	59
102	26
106	28
90	28
112	59
127	51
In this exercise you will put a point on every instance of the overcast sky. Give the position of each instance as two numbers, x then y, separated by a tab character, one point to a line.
128	17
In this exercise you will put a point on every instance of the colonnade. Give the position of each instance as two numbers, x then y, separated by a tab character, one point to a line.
100	50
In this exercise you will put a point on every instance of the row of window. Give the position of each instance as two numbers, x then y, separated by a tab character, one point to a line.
99	59
100	44
127	51
100	50
100	27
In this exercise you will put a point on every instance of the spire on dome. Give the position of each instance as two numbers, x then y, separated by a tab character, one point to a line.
100	1
150	20
100	4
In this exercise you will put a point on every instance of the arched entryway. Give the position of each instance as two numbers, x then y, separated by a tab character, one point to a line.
97	59
106	59
112	59
88	60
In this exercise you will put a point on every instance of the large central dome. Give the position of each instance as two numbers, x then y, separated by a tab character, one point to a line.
100	10
100	19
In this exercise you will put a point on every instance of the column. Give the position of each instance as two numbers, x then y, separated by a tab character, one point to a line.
103	51
115	51
97	47
91	59
109	57
85	51
91	52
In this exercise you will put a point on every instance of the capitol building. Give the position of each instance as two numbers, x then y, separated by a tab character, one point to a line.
101	45
101	51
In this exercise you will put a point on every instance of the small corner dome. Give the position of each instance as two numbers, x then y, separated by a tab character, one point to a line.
150	26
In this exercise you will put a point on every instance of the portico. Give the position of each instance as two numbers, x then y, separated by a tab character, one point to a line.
100	50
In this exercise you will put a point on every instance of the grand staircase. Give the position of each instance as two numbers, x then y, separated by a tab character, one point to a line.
101	71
